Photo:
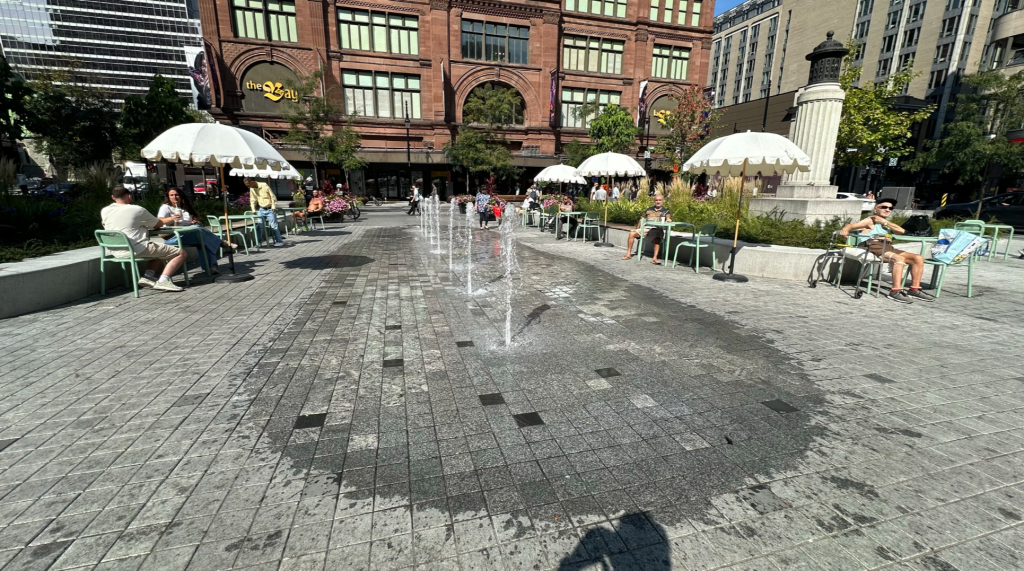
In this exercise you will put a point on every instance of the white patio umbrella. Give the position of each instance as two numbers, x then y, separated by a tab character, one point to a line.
217	145
611	165
560	174
287	171
736	154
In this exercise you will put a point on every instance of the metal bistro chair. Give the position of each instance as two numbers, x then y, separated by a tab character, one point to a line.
117	239
870	264
695	243
282	221
320	216
215	227
590	221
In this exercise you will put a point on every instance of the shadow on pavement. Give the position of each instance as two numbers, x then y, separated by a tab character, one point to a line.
638	532
333	261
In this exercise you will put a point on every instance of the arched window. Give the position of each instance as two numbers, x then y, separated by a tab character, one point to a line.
494	103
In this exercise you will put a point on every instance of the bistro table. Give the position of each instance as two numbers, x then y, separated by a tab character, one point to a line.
178	231
667	225
558	221
256	221
996	229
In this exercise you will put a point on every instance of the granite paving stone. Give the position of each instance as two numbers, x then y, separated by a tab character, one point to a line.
366	414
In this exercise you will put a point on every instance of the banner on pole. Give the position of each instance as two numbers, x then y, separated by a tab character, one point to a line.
642	105
553	102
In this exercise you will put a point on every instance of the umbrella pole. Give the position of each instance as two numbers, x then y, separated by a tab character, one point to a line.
232	277
731	276
605	243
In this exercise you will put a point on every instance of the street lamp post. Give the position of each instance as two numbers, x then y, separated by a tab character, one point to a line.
647	144
408	148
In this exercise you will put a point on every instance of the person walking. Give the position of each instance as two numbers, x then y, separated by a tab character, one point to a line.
414	201
263	202
481	201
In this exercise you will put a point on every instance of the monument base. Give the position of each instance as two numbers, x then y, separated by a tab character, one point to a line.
809	203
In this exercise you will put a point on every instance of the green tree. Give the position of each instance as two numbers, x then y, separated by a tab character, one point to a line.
872	128
576	152
310	119
75	125
986	111
613	130
143	118
14	95
343	147
483	150
688	124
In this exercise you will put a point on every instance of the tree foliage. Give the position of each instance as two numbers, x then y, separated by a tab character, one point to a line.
310	118
689	123
613	130
14	95
872	128
75	125
576	152
977	137
143	118
343	148
483	150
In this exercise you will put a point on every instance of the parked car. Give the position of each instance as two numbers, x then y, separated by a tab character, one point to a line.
866	204
55	188
1007	208
207	188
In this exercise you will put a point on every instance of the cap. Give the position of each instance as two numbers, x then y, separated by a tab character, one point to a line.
891	201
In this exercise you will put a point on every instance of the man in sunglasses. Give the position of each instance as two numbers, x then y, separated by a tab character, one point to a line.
877	229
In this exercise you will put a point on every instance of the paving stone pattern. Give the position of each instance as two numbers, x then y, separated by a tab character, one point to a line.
354	408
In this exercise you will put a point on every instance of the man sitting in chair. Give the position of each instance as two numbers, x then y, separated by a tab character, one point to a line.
136	222
877	229
656	213
314	208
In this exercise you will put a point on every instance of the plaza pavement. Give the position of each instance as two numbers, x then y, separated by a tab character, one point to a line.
353	408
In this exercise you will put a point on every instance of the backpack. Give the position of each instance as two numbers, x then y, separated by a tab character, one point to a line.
533	195
918	225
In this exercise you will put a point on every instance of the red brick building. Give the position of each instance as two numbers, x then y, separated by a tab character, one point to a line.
428	55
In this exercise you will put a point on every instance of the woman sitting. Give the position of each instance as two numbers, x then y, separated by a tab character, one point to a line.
315	208
177	210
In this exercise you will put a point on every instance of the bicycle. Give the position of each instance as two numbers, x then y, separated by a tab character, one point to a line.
376	201
353	212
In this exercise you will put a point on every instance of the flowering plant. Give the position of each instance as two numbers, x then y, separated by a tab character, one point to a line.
464	198
298	198
335	205
549	202
243	201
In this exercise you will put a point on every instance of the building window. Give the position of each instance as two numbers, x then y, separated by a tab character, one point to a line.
949	26
888	43
893	20
495	42
858	51
910	38
670	62
906	61
695	14
943	53
865	7
654	11
937	79
668	11
972	23
381	94
573	99
965	51
915	12
883	67
861	31
595	55
952	4
378	32
616	8
265	19
768	60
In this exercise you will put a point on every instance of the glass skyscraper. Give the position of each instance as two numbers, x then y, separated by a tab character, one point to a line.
115	45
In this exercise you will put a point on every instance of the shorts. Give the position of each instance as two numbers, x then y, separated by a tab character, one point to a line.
656	234
152	250
881	247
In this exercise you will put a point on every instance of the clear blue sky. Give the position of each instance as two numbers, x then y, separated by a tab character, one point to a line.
723	5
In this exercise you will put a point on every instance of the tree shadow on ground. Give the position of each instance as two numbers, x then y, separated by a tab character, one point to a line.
333	261
637	542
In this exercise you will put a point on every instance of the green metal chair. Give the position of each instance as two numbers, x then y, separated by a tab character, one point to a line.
282	221
706	230
311	217
216	228
870	264
590	221
117	239
939	268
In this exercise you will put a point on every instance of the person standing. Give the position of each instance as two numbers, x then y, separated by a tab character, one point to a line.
414	201
263	202
600	195
593	191
482	200
633	193
517	189
136	222
615	192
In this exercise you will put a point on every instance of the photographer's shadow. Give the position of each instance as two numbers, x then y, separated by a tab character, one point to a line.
637	542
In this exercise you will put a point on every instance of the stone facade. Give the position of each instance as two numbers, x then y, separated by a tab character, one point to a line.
439	24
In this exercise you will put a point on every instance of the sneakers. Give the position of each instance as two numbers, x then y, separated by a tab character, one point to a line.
920	295
146	282
167	285
899	295
278	244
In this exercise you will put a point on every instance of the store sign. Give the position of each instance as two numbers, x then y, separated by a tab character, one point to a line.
269	88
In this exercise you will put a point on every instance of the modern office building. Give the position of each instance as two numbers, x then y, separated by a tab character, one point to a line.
386	60
116	45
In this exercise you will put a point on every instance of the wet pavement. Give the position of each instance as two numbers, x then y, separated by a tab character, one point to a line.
354	408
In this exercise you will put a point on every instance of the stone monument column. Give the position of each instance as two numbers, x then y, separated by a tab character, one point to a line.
809	196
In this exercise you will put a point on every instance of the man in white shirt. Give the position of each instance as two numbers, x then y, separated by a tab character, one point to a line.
615	192
414	201
136	222
600	195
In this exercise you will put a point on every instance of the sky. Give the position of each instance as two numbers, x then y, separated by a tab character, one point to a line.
723	5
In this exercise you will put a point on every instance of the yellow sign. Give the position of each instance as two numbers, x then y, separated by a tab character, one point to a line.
273	90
